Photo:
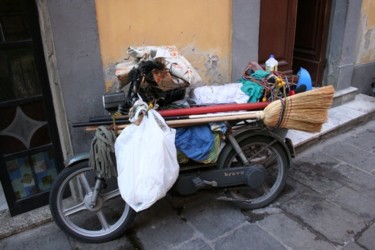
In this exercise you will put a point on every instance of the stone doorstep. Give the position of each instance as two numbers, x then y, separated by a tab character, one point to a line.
346	102
22	222
344	95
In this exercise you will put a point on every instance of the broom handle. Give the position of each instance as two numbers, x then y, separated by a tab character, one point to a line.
258	115
220	114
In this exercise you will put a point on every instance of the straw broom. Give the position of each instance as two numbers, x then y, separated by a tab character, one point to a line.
305	111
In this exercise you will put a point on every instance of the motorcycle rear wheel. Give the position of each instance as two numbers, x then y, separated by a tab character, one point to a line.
106	221
272	156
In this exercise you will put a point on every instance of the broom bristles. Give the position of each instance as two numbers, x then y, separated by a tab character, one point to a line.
305	126
313	115
304	111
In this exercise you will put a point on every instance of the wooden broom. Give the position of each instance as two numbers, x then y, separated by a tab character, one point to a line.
305	111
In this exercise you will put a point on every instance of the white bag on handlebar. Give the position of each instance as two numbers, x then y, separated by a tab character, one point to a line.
146	161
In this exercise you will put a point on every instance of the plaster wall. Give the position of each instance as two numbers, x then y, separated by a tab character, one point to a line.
366	53
53	76
342	42
201	30
245	34
89	36
80	72
364	70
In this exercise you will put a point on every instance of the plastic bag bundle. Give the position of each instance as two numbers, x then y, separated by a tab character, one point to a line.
123	69
146	161
177	65
227	93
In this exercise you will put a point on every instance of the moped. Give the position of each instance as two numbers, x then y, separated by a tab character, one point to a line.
251	169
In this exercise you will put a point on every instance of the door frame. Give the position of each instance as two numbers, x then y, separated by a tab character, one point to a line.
40	199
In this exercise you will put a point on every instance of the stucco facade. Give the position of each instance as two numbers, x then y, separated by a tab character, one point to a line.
201	30
364	70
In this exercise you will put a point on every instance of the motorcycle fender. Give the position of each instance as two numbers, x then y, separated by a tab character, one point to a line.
76	158
285	143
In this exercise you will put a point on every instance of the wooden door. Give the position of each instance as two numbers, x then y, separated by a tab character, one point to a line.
276	32
30	154
311	38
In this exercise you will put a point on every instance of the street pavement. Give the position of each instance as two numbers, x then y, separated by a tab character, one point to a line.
328	203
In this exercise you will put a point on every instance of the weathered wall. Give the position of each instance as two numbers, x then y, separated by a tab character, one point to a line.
245	34
201	30
366	53
364	71
53	76
342	42
75	37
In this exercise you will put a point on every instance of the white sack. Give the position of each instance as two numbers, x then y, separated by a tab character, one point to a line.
227	93
176	63
146	161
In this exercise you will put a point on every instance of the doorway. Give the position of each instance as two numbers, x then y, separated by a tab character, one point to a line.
310	45
296	33
30	153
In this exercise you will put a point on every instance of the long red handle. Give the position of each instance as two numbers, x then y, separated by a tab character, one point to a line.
213	109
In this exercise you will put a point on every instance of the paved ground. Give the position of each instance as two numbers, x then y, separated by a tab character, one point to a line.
328	203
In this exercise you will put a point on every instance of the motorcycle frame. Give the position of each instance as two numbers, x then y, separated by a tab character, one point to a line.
192	177
242	131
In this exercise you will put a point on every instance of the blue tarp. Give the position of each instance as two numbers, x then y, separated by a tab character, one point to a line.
195	142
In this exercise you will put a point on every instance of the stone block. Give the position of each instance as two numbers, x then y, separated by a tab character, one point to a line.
41	238
352	155
328	219
361	204
161	222
367	239
281	227
194	244
248	237
214	218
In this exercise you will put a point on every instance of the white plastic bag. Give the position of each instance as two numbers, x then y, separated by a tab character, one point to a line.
175	62
123	69
146	161
227	93
178	65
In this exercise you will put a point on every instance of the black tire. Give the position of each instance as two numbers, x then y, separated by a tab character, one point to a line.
274	160
107	221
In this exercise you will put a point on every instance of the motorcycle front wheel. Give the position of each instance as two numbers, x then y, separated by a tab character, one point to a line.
73	211
263	151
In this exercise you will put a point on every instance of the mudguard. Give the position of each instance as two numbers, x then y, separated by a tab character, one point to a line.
76	158
256	131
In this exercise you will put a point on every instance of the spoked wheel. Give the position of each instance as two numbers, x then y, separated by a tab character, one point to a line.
263	151
71	205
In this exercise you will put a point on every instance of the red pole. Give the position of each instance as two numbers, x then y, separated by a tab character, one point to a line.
213	109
